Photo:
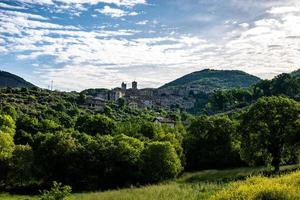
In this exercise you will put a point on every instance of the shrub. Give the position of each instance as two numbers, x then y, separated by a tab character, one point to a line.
261	188
57	192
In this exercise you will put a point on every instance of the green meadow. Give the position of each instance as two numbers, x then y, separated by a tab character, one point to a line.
207	184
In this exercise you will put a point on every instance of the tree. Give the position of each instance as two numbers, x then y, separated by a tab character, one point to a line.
125	160
11	111
7	125
53	153
7	131
21	165
269	126
7	146
209	143
160	162
148	129
93	125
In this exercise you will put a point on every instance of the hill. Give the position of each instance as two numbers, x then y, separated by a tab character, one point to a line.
192	91
10	80
214	79
296	73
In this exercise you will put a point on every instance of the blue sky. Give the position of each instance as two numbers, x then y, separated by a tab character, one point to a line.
83	44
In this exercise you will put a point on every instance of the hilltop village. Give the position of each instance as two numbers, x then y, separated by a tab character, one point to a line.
189	93
170	98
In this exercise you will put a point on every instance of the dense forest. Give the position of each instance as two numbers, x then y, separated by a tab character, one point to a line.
48	136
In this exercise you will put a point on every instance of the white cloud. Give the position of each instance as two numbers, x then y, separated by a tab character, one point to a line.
22	14
129	3
106	56
144	22
284	10
244	25
115	12
7	6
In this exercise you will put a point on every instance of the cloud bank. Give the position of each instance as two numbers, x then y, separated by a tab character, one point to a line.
77	58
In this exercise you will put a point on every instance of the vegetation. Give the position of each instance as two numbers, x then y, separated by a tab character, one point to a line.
215	79
225	100
210	144
284	187
197	185
269	130
57	192
48	136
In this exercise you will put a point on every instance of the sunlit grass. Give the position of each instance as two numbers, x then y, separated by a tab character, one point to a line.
172	191
286	187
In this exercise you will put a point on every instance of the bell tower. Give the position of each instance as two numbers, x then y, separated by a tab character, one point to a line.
123	86
134	85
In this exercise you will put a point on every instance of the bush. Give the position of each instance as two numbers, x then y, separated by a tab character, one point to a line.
261	188
57	192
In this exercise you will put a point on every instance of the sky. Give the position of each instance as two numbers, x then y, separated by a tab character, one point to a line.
82	44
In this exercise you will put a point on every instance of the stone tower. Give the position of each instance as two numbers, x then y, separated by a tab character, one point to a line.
134	85
123	86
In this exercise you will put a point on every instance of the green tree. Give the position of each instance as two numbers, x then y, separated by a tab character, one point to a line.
270	126
7	125
21	165
53	153
7	146
93	125
126	160
160	162
209	143
10	110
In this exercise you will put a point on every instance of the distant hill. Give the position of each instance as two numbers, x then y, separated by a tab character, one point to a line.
296	73
10	80
214	79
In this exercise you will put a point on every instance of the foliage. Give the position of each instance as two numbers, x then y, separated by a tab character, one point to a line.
209	143
232	99
160	162
223	100
57	192
268	127
93	125
6	146
21	165
53	153
48	136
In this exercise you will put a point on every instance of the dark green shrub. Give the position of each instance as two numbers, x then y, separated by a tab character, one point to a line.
57	192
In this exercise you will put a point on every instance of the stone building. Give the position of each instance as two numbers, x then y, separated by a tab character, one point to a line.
97	103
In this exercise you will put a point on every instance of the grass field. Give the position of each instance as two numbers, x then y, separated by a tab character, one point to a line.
197	185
